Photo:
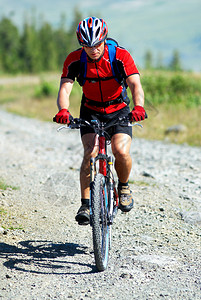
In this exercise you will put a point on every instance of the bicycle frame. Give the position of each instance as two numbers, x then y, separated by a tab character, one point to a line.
102	152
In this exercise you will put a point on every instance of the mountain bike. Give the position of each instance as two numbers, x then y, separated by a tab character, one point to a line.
103	202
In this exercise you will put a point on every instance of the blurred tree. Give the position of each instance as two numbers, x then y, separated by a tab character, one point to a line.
72	40
39	47
30	50
48	48
175	63
148	60
159	62
9	46
61	39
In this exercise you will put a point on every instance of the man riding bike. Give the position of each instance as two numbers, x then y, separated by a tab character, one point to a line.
105	98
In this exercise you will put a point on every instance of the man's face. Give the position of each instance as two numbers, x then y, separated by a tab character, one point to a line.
95	52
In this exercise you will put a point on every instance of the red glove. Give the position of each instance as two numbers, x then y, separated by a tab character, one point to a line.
63	116
137	114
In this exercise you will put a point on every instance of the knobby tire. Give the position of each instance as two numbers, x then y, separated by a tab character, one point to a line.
99	222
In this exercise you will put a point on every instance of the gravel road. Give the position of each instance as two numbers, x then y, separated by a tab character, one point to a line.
156	249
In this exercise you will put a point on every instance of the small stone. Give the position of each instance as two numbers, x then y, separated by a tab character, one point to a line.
176	129
2	231
191	217
125	275
146	174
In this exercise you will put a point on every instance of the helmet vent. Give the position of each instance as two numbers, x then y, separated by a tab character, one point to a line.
83	33
90	32
90	21
97	32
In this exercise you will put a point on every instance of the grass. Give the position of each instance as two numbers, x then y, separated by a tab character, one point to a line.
8	215
139	182
9	220
166	116
4	186
36	100
170	99
3	212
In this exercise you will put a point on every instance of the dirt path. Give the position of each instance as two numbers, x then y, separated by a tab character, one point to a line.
24	79
46	255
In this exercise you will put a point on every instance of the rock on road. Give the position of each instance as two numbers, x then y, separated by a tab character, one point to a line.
156	248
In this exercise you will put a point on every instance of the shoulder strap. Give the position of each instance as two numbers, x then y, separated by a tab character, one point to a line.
83	68
112	44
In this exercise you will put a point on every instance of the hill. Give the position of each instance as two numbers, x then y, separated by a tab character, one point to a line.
158	25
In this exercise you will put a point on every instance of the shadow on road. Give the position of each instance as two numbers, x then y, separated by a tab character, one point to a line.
45	257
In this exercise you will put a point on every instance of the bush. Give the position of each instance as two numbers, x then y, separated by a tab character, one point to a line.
173	88
46	89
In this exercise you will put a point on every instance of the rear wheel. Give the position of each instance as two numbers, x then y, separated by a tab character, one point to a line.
99	222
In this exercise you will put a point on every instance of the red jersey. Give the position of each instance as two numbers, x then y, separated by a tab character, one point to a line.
101	90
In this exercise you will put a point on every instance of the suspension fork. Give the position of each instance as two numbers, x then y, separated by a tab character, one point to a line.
92	176
113	195
111	187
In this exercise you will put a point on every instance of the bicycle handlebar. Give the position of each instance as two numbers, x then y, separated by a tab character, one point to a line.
76	123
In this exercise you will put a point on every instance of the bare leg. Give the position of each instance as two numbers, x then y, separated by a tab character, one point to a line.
120	147
121	143
90	144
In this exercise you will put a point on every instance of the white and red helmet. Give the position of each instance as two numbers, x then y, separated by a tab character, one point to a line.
91	31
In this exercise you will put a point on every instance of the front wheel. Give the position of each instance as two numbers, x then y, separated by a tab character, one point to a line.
99	222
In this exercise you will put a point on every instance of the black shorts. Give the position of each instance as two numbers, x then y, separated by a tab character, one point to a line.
86	114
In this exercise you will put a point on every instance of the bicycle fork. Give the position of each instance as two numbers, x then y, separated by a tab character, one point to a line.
92	176
111	190
113	198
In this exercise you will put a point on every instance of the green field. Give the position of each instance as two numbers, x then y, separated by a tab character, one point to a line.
170	99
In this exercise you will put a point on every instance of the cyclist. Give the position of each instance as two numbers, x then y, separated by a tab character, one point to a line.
104	97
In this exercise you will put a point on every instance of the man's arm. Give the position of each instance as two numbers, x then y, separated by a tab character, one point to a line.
138	113
66	86
137	92
64	116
